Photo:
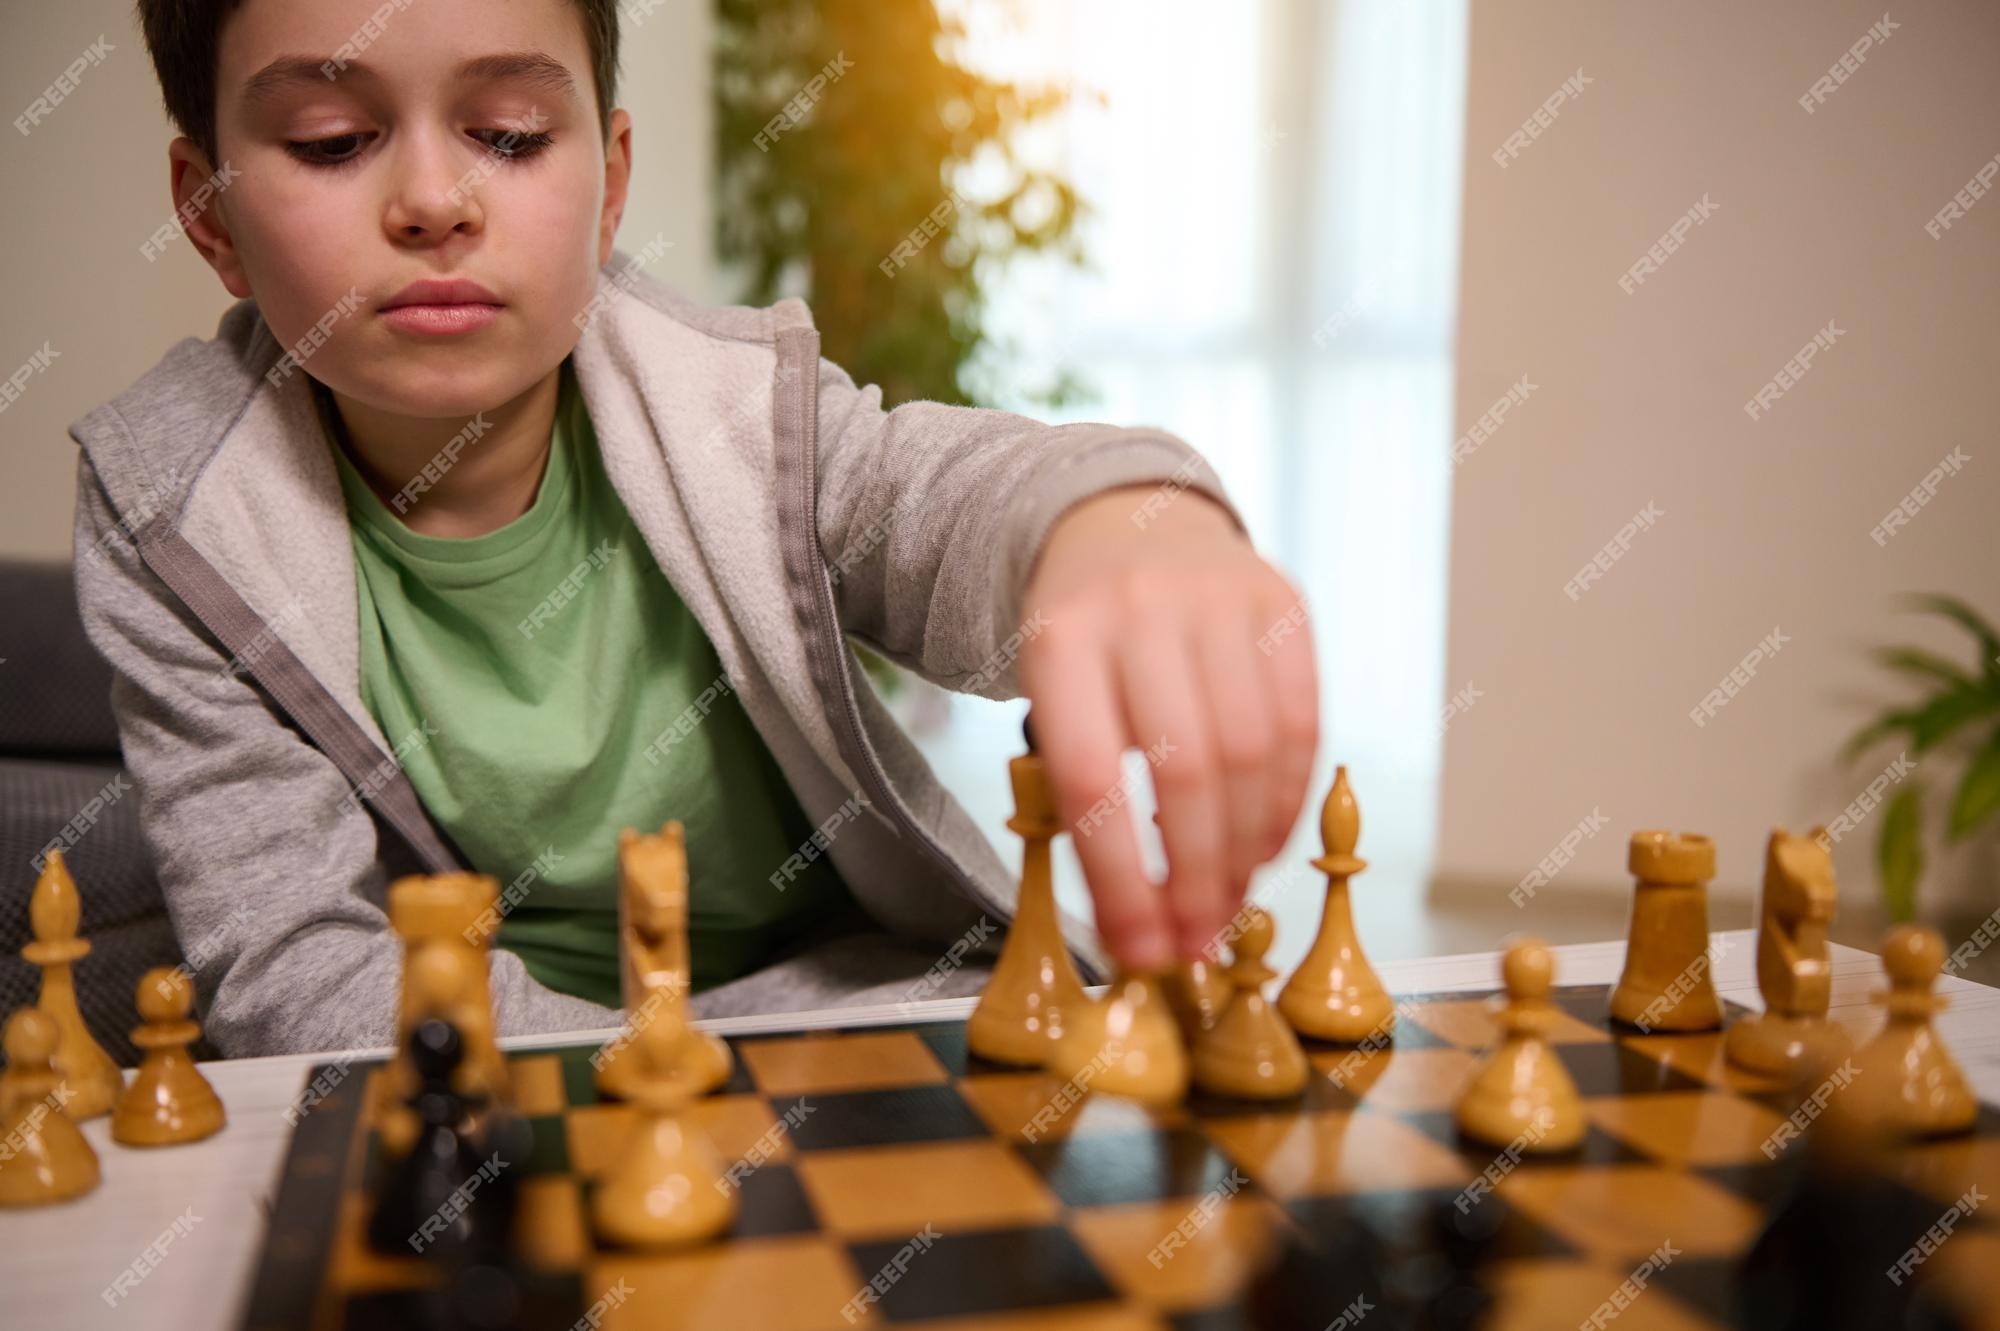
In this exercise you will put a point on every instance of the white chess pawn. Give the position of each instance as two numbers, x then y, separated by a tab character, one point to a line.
1125	1044
1250	1053
169	1102
1522	1093
49	1159
1909	1084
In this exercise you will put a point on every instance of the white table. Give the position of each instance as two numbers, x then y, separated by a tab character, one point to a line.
56	1263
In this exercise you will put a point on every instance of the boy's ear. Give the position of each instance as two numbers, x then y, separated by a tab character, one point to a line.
197	193
617	181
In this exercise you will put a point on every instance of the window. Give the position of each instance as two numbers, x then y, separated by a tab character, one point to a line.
1274	265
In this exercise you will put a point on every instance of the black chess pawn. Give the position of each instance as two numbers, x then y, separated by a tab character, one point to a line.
424	1205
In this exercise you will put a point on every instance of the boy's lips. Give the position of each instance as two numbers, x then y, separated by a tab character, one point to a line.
441	319
441	306
442	291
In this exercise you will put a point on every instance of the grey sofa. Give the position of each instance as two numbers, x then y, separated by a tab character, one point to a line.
58	750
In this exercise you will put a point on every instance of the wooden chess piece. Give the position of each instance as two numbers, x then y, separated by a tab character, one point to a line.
1199	991
1522	1095
1794	967
434	914
1666	985
1906	1083
1126	1044
448	909
660	1190
1250	1053
478	900
44	1156
443	981
169	1101
1335	994
1020	1012
54	914
656	975
660	921
420	1200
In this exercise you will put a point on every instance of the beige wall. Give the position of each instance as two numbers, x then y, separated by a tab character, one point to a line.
1640	398
88	185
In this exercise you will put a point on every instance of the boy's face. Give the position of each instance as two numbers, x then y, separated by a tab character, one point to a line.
343	191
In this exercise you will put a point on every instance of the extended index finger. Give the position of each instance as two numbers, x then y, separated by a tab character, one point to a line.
1080	731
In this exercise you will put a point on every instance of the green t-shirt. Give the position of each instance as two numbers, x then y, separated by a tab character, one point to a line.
525	673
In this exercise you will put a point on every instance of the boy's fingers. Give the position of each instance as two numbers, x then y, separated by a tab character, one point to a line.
1170	721
1079	733
1233	686
1293	677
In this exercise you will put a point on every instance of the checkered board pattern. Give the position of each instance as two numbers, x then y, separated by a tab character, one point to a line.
904	1134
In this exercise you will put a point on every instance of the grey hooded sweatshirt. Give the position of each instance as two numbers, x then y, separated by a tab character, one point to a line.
789	510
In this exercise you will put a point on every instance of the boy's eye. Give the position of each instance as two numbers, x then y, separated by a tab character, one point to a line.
507	144
336	151
512	143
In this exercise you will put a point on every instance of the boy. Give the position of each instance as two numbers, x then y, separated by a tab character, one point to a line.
464	544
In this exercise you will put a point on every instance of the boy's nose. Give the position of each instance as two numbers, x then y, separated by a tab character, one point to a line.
434	191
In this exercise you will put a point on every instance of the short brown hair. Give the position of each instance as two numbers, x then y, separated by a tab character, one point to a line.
182	36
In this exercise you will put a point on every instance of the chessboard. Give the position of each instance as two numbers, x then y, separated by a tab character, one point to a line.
887	1177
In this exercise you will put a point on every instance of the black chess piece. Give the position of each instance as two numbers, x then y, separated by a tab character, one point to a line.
416	1212
504	1137
489	1289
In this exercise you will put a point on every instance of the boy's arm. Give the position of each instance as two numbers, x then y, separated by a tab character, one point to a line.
999	556
931	517
243	818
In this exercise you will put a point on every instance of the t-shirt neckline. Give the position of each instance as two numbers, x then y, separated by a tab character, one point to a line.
464	560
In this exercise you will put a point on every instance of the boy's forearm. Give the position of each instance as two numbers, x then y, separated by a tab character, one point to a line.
315	990
932	517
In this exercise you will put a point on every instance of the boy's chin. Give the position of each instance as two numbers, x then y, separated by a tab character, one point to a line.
429	392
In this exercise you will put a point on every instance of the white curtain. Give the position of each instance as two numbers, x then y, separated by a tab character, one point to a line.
1273	263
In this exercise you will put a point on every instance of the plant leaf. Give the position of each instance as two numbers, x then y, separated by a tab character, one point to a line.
1968	618
1941	717
1899	853
1917	661
1978	796
1875	732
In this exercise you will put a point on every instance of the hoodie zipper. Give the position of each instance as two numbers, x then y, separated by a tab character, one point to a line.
795	412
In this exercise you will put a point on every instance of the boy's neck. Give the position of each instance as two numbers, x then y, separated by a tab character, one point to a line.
498	469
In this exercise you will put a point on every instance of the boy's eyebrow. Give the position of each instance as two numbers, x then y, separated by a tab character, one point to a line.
531	67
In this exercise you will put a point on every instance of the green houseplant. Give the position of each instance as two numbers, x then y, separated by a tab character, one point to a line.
816	203
1959	706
